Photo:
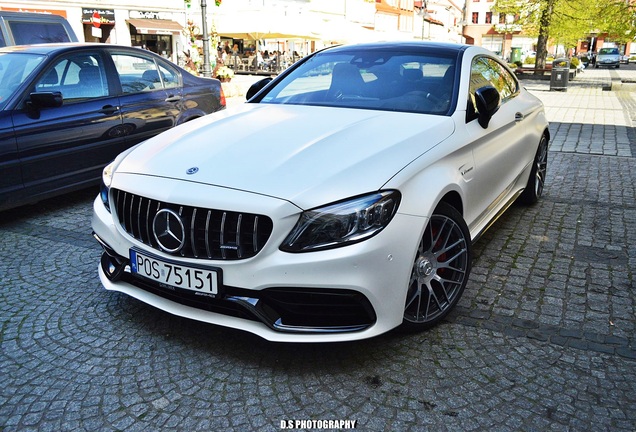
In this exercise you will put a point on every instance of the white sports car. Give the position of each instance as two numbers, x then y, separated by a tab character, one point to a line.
339	203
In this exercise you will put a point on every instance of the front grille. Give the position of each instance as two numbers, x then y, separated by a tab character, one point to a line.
209	233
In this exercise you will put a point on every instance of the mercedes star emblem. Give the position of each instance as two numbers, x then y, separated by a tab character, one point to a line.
168	230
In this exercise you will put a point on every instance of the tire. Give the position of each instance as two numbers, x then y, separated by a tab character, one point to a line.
440	270
536	181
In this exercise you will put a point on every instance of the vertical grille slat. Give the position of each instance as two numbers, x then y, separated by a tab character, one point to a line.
148	239
222	236
141	200
193	238
238	235
208	250
255	235
210	233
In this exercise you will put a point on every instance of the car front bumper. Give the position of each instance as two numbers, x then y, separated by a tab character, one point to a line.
348	293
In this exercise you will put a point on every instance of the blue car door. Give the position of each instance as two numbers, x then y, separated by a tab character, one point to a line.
151	95
11	177
66	147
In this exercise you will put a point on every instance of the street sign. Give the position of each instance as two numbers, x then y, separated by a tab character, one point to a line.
97	20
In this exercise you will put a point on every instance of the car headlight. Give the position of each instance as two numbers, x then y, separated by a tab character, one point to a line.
107	178
107	174
342	223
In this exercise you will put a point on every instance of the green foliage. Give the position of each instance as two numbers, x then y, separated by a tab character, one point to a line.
571	20
574	62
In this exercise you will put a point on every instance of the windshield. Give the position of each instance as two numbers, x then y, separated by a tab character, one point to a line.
14	69
379	80
608	51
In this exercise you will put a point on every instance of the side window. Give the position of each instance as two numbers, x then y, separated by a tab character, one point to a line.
139	74
169	75
78	77
505	83
488	72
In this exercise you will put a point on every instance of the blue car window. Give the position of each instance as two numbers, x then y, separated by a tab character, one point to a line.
78	77
138	74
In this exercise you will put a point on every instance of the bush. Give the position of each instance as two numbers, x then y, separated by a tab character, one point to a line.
574	62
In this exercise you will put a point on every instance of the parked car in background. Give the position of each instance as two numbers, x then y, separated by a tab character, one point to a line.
608	57
625	59
347	208
26	28
66	110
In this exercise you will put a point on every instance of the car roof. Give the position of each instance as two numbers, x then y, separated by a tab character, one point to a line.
414	46
54	48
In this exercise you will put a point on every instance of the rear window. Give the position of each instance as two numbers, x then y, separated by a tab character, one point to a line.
34	32
608	51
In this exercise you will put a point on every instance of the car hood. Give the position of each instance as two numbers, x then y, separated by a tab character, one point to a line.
307	155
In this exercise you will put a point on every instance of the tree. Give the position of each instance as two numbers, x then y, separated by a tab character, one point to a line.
567	21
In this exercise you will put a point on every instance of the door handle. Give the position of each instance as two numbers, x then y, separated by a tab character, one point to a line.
519	117
173	98
109	109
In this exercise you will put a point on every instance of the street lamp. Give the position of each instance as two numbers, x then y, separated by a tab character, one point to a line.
206	40
425	15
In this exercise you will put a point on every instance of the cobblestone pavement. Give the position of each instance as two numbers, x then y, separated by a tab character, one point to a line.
544	338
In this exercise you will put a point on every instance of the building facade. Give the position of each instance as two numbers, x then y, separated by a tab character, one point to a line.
154	25
168	27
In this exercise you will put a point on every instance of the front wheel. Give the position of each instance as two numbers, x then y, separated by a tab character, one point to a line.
440	270
536	181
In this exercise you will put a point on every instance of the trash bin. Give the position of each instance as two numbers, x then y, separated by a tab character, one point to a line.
560	74
515	55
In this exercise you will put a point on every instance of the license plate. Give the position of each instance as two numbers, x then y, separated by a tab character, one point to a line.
169	274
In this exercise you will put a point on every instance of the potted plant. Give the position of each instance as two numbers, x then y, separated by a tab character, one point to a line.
224	74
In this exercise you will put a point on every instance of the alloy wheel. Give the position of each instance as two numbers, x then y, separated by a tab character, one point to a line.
440	270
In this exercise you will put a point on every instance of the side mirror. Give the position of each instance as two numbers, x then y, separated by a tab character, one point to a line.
46	99
487	101
256	87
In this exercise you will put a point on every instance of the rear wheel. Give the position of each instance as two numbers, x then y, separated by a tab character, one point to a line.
536	181
440	270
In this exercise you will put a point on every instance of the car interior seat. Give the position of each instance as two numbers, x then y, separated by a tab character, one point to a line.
345	81
152	78
91	82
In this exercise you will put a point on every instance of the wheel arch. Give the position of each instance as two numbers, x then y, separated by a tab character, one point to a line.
454	199
189	115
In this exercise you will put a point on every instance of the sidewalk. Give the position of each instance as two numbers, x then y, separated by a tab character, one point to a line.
592	116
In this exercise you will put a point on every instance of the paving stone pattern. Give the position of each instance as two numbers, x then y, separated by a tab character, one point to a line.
543	339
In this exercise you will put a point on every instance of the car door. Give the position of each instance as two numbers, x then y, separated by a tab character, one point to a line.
11	177
63	147
501	150
150	94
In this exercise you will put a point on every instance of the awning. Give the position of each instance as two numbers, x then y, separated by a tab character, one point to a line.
256	27
155	26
